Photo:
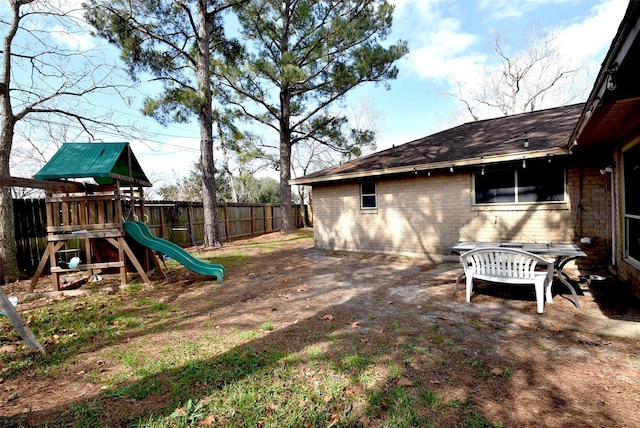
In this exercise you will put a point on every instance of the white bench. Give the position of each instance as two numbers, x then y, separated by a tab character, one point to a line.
509	266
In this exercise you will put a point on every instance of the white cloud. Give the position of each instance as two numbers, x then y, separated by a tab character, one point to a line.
75	41
438	45
592	36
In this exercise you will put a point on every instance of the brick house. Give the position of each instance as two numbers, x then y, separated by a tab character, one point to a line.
519	178
609	130
505	179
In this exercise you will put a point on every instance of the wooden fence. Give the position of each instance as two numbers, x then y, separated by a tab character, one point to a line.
179	222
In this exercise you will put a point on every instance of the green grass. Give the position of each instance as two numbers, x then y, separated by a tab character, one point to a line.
131	346
267	326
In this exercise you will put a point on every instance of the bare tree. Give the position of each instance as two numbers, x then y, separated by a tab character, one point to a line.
42	79
522	81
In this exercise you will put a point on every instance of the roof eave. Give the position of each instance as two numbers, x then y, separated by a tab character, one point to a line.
620	46
416	168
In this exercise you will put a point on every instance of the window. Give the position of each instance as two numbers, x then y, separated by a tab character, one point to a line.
632	202
368	196
536	184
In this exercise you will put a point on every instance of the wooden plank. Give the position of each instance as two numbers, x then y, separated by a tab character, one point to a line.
18	324
124	248
107	227
66	186
67	198
226	222
131	180
53	263
109	208
92	212
66	219
51	249
101	212
82	212
121	251
51	214
87	256
88	266
152	254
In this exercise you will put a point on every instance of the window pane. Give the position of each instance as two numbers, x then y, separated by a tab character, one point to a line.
368	195
632	180
541	184
368	202
633	230
495	187
368	188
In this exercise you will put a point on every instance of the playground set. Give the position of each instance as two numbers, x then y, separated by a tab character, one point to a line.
95	226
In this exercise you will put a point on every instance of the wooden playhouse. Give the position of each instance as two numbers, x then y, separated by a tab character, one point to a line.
85	225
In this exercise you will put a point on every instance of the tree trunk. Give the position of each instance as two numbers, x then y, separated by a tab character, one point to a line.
211	238
8	260
285	126
285	171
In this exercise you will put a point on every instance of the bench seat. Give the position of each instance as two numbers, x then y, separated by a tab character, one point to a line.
509	266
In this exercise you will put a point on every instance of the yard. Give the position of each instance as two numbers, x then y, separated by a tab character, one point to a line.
296	336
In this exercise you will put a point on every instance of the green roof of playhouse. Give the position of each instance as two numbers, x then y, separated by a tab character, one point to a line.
104	162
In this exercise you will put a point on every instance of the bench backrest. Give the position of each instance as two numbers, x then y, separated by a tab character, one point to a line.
504	264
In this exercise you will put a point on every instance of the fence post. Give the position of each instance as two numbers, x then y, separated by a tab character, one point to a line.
226	222
252	220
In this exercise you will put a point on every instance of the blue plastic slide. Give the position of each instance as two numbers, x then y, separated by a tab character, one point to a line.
140	233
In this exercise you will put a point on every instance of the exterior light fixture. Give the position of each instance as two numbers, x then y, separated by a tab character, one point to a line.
451	168
526	143
611	85
482	170
524	163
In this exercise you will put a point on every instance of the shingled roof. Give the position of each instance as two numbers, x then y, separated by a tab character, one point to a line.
484	141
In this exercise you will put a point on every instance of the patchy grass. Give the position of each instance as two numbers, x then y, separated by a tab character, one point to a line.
259	350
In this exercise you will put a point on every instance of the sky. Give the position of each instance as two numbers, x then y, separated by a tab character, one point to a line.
449	41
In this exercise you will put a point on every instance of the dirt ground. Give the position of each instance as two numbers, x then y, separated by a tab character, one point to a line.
566	367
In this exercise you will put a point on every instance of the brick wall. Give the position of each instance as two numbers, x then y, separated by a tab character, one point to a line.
423	215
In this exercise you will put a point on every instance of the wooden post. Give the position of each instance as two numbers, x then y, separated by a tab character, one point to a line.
87	256
190	223
226	222
164	234
141	191
120	245
51	249
18	324
252	220
55	279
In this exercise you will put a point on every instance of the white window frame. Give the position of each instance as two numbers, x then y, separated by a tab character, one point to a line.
627	217
374	194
